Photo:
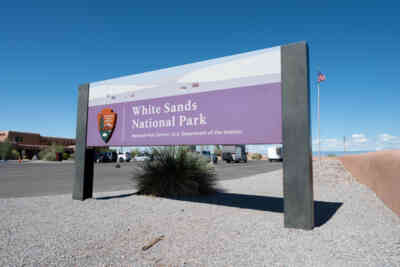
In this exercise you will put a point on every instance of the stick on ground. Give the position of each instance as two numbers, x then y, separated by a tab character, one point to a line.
152	243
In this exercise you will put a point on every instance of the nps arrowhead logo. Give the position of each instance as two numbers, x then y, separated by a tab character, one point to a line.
106	120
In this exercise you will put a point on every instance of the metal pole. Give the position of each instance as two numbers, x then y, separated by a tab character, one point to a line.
319	137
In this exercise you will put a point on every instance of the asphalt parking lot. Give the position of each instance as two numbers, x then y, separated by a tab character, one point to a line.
42	179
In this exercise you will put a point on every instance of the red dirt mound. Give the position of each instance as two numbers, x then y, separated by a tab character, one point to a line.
380	171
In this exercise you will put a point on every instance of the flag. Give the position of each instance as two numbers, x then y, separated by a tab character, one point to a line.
321	77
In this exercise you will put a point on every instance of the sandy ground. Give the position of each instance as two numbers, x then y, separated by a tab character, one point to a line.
380	171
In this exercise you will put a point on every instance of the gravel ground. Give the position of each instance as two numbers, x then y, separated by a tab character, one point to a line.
243	227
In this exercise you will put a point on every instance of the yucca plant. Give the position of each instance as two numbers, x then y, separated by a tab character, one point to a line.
175	172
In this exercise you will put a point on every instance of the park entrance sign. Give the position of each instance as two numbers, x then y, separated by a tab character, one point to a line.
259	97
230	100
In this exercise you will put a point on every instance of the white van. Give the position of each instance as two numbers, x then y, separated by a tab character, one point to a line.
275	153
124	157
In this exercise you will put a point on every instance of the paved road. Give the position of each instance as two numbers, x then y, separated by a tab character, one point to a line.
41	179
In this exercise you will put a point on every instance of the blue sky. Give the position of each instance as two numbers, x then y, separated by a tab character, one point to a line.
47	49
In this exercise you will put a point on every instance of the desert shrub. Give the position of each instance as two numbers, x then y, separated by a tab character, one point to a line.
15	154
135	152
5	150
50	156
49	153
41	154
65	156
256	156
175	172
58	148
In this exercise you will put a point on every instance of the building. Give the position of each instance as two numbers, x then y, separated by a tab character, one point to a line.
32	143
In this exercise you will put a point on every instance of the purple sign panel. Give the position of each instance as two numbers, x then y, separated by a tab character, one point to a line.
231	100
246	115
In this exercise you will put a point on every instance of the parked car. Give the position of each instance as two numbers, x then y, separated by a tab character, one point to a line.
206	155
234	153
124	157
107	157
227	157
142	157
275	153
214	158
209	156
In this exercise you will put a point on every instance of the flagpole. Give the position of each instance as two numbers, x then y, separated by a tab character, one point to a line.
319	137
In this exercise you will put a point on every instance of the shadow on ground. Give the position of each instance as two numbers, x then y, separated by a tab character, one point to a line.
323	211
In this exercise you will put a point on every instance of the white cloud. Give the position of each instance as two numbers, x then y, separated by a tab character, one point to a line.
330	140
329	144
359	138
387	138
357	135
359	142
